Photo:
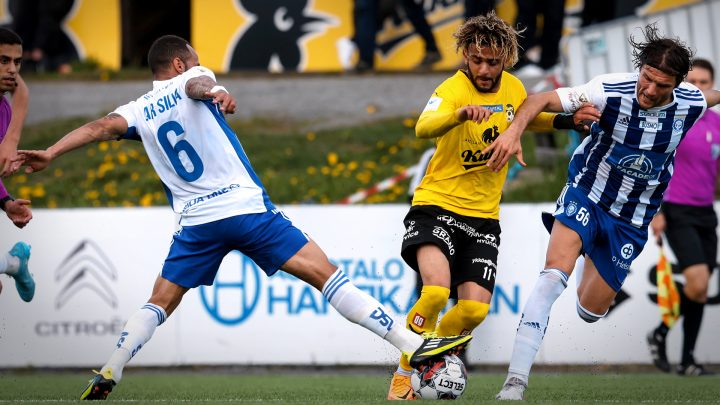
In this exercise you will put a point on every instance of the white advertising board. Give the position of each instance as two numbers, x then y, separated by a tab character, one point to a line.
95	267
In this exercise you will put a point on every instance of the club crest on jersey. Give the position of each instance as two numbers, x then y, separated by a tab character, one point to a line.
510	114
637	166
571	208
678	124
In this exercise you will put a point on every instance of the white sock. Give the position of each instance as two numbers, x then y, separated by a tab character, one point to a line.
138	330
579	270
534	321
9	264
360	308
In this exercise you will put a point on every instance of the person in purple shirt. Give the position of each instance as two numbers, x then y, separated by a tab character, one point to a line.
688	220
14	263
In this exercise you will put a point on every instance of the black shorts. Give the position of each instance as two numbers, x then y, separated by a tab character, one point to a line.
691	234
469	244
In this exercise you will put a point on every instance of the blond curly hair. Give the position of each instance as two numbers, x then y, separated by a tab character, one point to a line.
492	32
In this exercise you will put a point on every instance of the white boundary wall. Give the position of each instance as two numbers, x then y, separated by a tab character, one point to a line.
94	267
604	48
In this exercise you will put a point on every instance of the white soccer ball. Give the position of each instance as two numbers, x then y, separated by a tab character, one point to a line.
445	378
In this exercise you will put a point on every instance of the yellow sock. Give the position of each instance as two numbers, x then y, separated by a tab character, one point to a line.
463	318
423	316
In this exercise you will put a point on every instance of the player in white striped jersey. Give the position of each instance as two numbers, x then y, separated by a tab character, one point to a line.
615	184
222	206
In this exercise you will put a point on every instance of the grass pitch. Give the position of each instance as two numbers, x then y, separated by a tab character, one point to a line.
153	387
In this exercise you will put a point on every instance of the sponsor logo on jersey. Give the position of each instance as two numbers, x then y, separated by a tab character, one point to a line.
445	237
651	125
496	108
627	251
624	121
652	114
637	166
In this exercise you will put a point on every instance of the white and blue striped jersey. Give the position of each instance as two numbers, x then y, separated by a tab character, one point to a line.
625	164
204	169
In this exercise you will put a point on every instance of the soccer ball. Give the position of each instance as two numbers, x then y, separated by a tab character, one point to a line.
445	378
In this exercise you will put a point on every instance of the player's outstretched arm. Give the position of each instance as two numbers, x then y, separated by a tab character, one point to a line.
110	127
8	147
712	96
508	143
205	88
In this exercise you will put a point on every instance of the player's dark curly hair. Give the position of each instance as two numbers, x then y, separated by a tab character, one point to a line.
165	49
669	55
492	32
9	37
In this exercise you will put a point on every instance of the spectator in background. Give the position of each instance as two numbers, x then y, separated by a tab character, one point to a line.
553	14
368	16
39	22
478	7
689	222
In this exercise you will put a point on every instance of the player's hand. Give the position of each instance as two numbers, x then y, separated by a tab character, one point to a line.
225	99
473	113
7	153
19	212
584	117
33	160
506	145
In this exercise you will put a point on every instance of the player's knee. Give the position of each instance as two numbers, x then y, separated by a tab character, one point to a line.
435	297
588	316
472	312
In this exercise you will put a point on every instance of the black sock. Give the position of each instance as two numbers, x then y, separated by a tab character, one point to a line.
691	327
661	331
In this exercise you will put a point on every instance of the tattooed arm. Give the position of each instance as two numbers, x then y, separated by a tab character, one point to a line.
204	88
110	127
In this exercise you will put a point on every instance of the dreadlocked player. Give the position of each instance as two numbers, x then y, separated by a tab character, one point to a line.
452	229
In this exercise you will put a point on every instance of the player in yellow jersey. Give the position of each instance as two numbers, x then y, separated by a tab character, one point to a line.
452	231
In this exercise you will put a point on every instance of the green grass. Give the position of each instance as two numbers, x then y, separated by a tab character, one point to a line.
333	387
295	166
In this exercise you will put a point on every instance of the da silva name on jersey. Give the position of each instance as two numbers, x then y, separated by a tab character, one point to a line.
164	103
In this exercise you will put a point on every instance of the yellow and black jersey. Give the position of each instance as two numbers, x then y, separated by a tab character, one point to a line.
457	178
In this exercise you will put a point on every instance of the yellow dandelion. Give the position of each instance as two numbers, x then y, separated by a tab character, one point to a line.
58	172
371	109
122	158
293	181
325	170
353	165
21	178
103	146
393	150
310	136
24	192
134	176
92	195
332	158
52	204
311	170
409	123
146	200
91	152
38	191
384	159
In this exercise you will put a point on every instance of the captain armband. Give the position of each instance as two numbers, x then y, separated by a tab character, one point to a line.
218	88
